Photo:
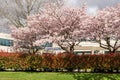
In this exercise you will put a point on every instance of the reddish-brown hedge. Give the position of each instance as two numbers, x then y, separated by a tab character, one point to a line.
61	61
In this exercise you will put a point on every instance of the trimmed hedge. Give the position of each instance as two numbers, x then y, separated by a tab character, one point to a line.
59	62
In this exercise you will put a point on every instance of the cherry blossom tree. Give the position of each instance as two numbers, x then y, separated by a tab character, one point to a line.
67	26
31	38
105	28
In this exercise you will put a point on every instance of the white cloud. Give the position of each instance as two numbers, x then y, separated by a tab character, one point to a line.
92	10
71	3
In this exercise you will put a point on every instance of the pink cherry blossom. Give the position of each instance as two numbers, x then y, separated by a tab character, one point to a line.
105	28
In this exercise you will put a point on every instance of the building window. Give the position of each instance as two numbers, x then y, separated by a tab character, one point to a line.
6	42
47	44
83	52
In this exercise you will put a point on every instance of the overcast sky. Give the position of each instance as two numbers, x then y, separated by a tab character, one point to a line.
93	5
96	3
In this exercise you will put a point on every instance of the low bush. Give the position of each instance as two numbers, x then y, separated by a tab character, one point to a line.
59	62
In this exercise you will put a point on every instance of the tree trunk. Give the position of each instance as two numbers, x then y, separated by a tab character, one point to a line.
72	48
69	49
112	51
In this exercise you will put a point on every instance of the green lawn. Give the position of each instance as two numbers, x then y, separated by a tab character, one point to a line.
56	76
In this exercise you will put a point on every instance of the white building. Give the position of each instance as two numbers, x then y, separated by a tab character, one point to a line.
6	43
86	47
